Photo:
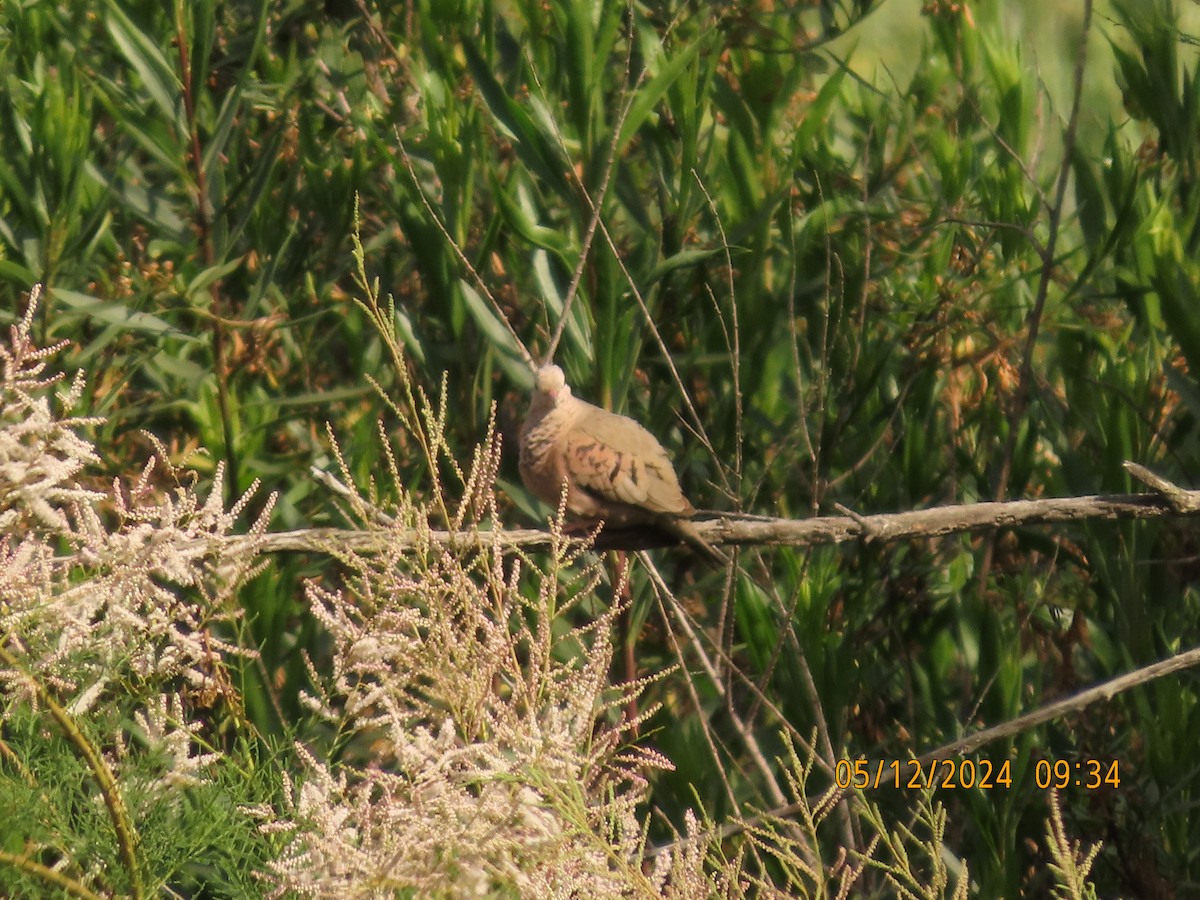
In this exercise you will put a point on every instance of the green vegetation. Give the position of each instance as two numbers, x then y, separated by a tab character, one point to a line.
846	252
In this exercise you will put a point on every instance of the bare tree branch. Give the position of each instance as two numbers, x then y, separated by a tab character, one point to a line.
1167	501
1104	691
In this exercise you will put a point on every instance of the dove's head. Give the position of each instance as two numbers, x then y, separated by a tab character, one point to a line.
552	384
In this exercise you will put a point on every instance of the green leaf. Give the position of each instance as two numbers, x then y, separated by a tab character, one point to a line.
518	213
1180	302
682	260
17	273
817	114
577	332
143	53
654	90
178	367
530	143
117	314
1093	218
496	334
213	273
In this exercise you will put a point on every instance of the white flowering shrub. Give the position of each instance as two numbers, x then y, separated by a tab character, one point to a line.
486	746
116	615
498	756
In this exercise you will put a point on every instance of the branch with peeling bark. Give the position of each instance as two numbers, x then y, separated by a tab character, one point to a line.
1166	500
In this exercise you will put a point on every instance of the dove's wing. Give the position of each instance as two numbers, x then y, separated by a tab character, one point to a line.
616	460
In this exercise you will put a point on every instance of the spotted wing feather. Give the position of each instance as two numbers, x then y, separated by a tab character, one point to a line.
617	460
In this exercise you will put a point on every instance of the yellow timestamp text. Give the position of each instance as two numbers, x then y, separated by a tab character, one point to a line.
970	774
1083	773
916	774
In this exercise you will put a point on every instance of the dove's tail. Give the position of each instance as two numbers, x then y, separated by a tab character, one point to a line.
686	531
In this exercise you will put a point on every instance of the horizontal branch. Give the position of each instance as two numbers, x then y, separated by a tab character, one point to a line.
933	522
1167	500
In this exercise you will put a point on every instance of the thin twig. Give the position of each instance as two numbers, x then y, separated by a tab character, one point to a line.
610	165
462	257
1056	710
1059	708
1049	264
1021	401
749	741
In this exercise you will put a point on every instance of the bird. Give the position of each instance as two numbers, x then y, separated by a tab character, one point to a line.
614	470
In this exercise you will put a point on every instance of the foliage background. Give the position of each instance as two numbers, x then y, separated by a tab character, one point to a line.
845	234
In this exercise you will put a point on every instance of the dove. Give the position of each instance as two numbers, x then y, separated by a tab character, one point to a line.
615	470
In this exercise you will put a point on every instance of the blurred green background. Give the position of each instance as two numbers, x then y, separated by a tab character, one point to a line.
839	220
